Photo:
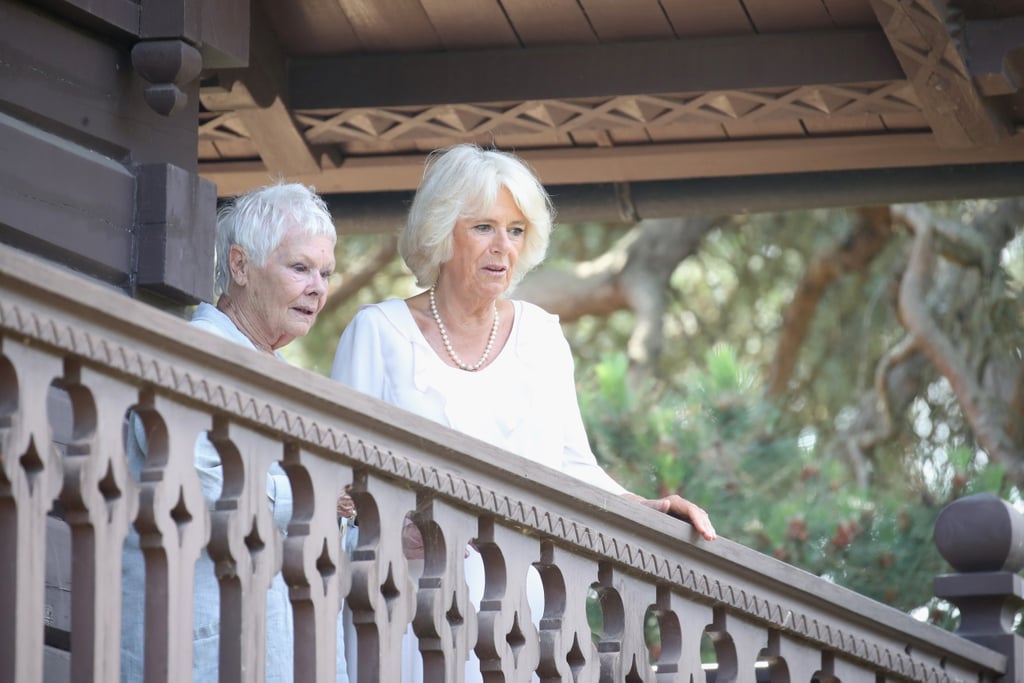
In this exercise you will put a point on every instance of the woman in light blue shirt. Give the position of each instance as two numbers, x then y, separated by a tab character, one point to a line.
275	251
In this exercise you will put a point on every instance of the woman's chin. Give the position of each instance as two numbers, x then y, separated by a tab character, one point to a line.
495	288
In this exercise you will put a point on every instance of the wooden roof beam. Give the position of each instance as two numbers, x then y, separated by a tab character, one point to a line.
646	162
927	38
601	70
258	97
383	212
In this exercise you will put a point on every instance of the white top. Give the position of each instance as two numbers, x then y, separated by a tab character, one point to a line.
524	401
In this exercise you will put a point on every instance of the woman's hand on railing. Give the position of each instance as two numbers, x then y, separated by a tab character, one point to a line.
679	507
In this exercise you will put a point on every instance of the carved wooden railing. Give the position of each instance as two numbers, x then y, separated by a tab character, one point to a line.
107	354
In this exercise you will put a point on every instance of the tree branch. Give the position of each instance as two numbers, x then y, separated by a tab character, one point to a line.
853	253
939	349
634	274
361	275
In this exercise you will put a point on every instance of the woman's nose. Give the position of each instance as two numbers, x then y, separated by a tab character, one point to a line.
319	283
500	242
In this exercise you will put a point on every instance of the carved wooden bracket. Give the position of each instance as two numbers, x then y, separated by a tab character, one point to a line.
166	64
257	99
928	39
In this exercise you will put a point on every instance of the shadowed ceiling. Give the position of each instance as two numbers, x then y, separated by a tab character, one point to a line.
735	104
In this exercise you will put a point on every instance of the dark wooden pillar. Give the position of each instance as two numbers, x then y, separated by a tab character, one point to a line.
98	137
98	169
982	537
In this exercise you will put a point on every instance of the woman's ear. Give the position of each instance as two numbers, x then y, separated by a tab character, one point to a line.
238	263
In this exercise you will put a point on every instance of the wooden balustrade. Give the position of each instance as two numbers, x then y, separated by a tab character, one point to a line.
76	358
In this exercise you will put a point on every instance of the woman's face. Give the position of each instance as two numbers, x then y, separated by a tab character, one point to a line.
486	247
281	299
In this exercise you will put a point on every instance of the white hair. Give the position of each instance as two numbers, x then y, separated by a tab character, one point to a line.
466	180
258	220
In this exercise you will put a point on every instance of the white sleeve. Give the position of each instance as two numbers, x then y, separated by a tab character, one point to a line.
578	459
359	358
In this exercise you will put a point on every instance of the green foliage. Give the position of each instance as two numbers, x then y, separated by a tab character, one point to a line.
714	439
773	473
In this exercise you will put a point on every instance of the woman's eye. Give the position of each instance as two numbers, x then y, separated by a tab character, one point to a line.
517	232
325	273
483	227
300	268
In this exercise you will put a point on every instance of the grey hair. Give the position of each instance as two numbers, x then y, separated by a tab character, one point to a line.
466	180
258	220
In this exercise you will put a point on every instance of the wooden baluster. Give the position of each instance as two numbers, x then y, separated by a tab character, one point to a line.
838	670
173	525
315	566
609	641
669	652
639	596
445	621
737	645
692	618
30	478
383	596
245	547
567	651
791	659
625	600
508	645
99	499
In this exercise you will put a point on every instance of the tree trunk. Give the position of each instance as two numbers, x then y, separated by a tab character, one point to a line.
634	274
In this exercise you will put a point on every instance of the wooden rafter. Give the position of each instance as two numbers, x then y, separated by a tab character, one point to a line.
349	97
927	37
257	98
645	162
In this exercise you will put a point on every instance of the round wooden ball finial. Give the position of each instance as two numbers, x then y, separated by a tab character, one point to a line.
981	533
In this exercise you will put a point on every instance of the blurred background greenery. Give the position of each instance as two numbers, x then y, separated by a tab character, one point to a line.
783	378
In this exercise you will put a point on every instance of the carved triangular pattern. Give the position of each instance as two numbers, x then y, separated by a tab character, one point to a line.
824	100
544	117
459	119
641	109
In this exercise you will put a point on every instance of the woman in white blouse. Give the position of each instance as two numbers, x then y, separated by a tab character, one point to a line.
479	222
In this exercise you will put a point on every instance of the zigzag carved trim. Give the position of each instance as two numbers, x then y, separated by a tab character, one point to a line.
563	117
150	369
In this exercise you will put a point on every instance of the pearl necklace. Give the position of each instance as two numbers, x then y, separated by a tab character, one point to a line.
448	342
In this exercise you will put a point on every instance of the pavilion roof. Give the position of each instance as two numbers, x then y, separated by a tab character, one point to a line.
349	95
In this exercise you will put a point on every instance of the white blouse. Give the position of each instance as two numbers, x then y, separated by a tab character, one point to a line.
524	401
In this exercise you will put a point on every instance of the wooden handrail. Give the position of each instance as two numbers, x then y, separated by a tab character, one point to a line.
109	355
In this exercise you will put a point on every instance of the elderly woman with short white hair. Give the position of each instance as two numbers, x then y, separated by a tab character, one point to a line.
274	254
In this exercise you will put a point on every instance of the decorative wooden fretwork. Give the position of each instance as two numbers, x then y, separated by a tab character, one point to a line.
928	39
547	117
